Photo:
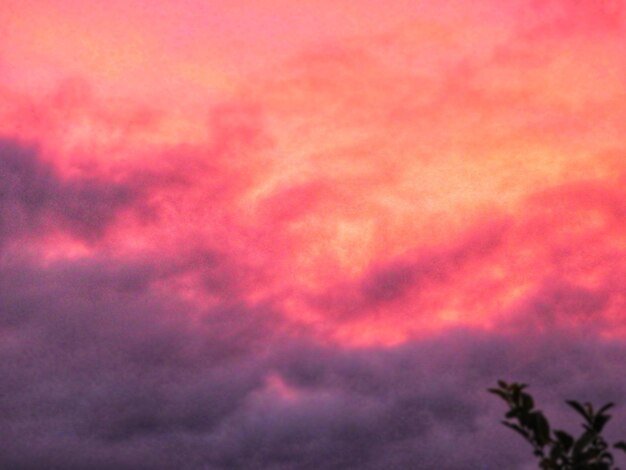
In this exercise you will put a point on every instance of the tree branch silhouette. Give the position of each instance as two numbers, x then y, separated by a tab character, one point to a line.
557	449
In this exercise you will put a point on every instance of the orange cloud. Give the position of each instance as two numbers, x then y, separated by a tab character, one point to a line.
362	161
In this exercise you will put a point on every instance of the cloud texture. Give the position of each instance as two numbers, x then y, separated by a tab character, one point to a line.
307	247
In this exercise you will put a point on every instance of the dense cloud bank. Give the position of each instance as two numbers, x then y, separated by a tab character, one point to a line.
105	366
95	375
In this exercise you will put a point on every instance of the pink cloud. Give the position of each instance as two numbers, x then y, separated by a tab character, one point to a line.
304	236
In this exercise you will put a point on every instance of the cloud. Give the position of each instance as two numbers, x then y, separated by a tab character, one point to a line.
100	356
550	265
327	267
97	375
424	268
108	363
34	195
566	17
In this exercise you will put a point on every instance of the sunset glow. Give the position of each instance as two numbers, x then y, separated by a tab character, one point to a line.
198	185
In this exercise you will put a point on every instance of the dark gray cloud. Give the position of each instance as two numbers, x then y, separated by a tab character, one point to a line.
104	365
101	372
96	368
33	196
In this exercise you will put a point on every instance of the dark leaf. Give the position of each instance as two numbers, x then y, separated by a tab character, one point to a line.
514	413
557	451
527	402
542	428
500	393
517	429
578	407
600	421
605	408
565	439
582	443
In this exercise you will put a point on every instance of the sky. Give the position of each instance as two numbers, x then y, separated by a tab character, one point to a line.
306	235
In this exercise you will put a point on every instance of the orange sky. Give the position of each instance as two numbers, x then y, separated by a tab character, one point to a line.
379	170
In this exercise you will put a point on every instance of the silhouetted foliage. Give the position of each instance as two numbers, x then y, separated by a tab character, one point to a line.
557	449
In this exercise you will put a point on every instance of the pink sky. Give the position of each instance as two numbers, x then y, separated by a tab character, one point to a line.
358	174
